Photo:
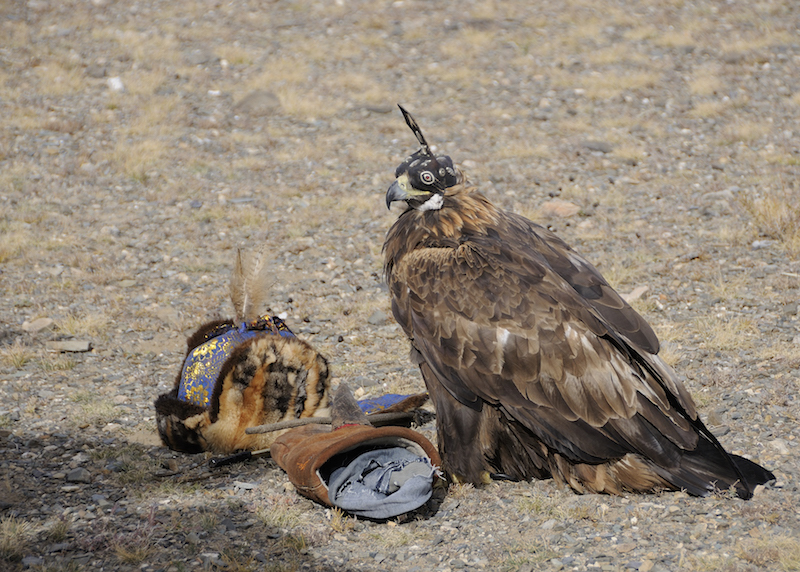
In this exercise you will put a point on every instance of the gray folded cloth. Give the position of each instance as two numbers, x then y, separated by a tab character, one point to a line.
382	483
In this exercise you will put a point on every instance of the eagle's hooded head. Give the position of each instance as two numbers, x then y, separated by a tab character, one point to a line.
421	179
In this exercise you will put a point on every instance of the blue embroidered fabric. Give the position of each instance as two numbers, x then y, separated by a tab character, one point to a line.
203	364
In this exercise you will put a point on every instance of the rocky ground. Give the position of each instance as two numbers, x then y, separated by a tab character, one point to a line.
141	143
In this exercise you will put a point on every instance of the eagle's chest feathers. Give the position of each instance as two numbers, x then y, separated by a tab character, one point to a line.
463	217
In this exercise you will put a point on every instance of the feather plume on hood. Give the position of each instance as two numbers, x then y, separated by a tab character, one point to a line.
250	285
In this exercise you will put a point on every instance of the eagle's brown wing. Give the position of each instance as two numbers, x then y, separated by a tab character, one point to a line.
524	323
589	284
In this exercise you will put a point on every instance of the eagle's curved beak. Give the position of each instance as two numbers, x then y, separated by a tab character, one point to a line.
397	192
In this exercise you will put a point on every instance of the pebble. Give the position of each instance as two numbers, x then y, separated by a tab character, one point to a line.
377	318
601	146
115	84
32	561
37	325
79	475
245	486
559	208
258	103
69	346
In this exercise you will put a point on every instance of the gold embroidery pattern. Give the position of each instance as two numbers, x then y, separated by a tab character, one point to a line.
203	364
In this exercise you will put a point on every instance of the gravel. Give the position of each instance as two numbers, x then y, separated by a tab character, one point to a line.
143	143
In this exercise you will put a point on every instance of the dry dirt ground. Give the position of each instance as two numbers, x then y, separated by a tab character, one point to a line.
142	142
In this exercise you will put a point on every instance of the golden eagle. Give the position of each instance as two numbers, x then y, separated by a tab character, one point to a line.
536	367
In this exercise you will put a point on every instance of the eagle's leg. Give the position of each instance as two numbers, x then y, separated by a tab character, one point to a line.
458	428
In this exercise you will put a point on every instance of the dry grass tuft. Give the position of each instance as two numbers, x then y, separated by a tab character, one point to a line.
280	512
57	80
612	84
14	242
558	505
726	333
713	108
135	159
744	132
236	560
16	355
461	490
135	546
340	521
83	324
15	536
776	214
93	411
705	82
59	529
675	39
773	553
49	362
399	536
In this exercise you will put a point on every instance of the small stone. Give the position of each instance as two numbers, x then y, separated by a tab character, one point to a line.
559	208
258	103
168	315
600	146
115	84
210	559
245	486
780	446
199	57
115	466
36	325
635	294
724	195
377	318
646	566
69	346
79	475
96	71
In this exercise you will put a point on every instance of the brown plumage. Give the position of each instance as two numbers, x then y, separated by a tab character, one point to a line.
535	365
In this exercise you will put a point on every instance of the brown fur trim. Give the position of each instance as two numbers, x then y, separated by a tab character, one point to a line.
265	380
179	423
408	404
